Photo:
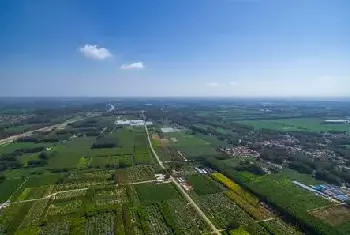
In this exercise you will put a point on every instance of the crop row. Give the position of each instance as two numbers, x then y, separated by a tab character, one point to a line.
187	220
69	194
140	173
35	192
224	213
64	207
156	222
132	195
251	199
257	211
114	193
106	203
277	226
35	213
81	184
90	175
100	224
7	215
251	205
55	228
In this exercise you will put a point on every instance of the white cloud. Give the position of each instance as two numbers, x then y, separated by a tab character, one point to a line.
233	83
212	84
137	65
94	52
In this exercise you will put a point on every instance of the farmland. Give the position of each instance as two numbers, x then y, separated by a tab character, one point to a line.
335	215
93	176
88	184
203	185
156	193
297	124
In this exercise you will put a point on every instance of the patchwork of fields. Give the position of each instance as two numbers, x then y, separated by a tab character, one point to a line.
297	124
103	179
180	146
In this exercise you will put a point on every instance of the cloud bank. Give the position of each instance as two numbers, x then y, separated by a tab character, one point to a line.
95	52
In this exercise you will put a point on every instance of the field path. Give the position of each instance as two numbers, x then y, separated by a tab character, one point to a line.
50	195
185	194
326	207
152	181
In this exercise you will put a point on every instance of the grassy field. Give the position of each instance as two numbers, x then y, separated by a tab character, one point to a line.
68	155
182	139
25	158
151	192
197	151
211	139
279	190
8	187
279	186
336	215
45	179
8	148
203	185
303	178
297	124
234	162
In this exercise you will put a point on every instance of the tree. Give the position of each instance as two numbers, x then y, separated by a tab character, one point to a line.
44	155
2	178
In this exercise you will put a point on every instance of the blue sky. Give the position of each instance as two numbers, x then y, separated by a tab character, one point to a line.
243	48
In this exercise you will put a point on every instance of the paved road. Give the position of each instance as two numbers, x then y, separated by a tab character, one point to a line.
154	152
29	133
185	194
215	230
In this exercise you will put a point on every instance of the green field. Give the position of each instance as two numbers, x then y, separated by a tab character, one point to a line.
9	187
203	185
8	148
197	151
101	179
297	124
151	192
280	187
183	139
25	158
68	155
279	190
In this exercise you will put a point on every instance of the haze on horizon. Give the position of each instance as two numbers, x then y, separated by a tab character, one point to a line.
226	48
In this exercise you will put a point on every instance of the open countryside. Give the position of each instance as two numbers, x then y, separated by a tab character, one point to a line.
126	171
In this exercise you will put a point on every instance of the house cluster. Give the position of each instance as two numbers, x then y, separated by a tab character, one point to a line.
204	170
241	151
133	122
319	153
292	146
11	119
284	142
160	177
184	184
